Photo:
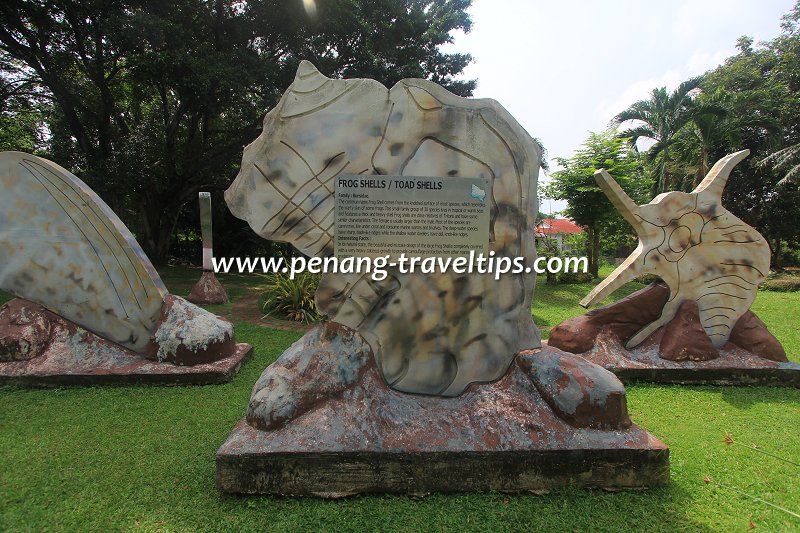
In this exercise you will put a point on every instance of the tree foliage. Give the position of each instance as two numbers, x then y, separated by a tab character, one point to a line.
751	101
22	108
762	85
588	206
154	101
679	123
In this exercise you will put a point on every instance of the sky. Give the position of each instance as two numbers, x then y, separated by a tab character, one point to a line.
564	68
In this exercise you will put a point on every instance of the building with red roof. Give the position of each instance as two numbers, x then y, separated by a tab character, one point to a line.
557	229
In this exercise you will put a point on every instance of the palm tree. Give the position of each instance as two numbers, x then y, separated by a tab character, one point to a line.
721	122
662	116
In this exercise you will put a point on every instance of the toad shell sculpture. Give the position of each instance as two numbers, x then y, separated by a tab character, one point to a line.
439	334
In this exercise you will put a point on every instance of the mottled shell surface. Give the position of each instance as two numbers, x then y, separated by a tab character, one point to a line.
431	334
62	247
700	249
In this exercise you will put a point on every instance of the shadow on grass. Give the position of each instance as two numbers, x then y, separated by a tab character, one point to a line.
741	397
541	322
565	295
566	509
748	397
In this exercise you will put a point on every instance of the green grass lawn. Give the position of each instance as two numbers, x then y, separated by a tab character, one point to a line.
142	458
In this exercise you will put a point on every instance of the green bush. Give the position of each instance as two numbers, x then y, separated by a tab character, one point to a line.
782	283
292	298
647	279
575	277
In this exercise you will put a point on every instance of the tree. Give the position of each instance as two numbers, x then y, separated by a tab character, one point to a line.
787	71
763	84
154	101
661	117
719	121
22	109
386	40
587	205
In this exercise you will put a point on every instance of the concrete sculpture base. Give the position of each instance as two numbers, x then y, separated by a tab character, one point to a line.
39	348
249	463
734	366
678	352
208	291
552	420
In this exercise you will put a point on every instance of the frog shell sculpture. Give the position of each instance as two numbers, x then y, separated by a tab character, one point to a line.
431	334
700	249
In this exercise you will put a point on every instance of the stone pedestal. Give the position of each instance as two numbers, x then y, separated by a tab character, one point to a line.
208	291
678	352
251	462
39	348
323	422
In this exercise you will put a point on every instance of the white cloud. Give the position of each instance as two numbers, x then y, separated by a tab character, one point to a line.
636	91
701	62
698	17
563	69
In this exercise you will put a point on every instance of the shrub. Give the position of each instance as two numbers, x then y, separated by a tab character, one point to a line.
575	277
292	298
647	279
782	283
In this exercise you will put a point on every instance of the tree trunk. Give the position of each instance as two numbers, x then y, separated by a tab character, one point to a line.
777	248
159	223
594	250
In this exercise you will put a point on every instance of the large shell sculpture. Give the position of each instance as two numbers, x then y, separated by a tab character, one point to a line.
431	334
702	251
61	246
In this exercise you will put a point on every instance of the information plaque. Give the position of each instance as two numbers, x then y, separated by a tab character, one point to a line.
417	216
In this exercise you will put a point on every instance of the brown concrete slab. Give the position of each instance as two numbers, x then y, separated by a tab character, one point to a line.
75	356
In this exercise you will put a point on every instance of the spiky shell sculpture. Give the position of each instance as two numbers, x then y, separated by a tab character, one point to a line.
701	251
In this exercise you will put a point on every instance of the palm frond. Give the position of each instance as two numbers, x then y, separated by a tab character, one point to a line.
685	88
633	134
641	110
786	157
789	177
782	157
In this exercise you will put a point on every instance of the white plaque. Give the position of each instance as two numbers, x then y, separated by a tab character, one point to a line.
418	216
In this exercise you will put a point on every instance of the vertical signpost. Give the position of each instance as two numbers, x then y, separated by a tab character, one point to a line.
208	290
205	228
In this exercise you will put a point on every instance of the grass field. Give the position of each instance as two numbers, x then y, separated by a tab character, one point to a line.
142	458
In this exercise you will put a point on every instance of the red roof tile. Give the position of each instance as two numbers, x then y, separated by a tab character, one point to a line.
550	226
